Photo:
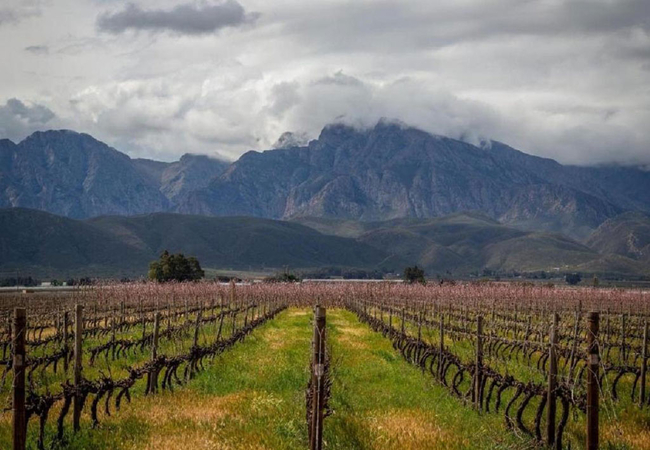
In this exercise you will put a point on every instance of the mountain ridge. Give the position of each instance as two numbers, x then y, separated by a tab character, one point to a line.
390	171
384	172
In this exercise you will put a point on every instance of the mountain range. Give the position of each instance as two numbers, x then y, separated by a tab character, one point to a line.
376	198
391	171
386	172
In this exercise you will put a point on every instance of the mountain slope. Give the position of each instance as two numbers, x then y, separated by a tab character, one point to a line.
39	243
238	242
74	175
626	235
391	171
177	179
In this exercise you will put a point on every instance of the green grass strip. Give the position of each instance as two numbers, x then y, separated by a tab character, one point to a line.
382	402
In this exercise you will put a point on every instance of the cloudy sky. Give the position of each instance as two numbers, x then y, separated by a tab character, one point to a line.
567	79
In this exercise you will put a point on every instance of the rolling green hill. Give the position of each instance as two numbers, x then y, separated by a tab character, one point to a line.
238	242
42	244
469	242
45	245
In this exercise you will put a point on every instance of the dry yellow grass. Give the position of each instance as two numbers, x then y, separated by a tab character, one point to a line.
277	339
411	429
187	405
634	436
351	336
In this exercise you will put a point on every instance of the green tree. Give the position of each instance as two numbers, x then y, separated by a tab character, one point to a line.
573	278
175	267
414	275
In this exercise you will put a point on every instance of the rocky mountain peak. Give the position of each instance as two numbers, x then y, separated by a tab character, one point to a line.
289	139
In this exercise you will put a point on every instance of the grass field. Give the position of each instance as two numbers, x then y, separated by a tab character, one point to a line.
253	397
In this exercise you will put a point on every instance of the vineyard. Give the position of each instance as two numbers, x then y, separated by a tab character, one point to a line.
541	366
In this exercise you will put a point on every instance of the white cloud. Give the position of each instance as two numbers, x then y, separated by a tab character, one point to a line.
567	79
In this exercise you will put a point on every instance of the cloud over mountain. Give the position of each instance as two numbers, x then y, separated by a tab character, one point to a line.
18	119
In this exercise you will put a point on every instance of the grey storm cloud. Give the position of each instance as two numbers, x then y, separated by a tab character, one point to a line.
408	26
193	19
35	114
38	49
7	16
18	120
15	15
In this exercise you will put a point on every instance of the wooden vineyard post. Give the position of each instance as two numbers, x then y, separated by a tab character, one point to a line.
403	320
195	342
317	381
153	375
10	326
78	339
551	410
574	347
479	363
593	362
169	315
644	364
66	356
607	329
442	344
623	353
221	317
144	324
19	414
113	332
